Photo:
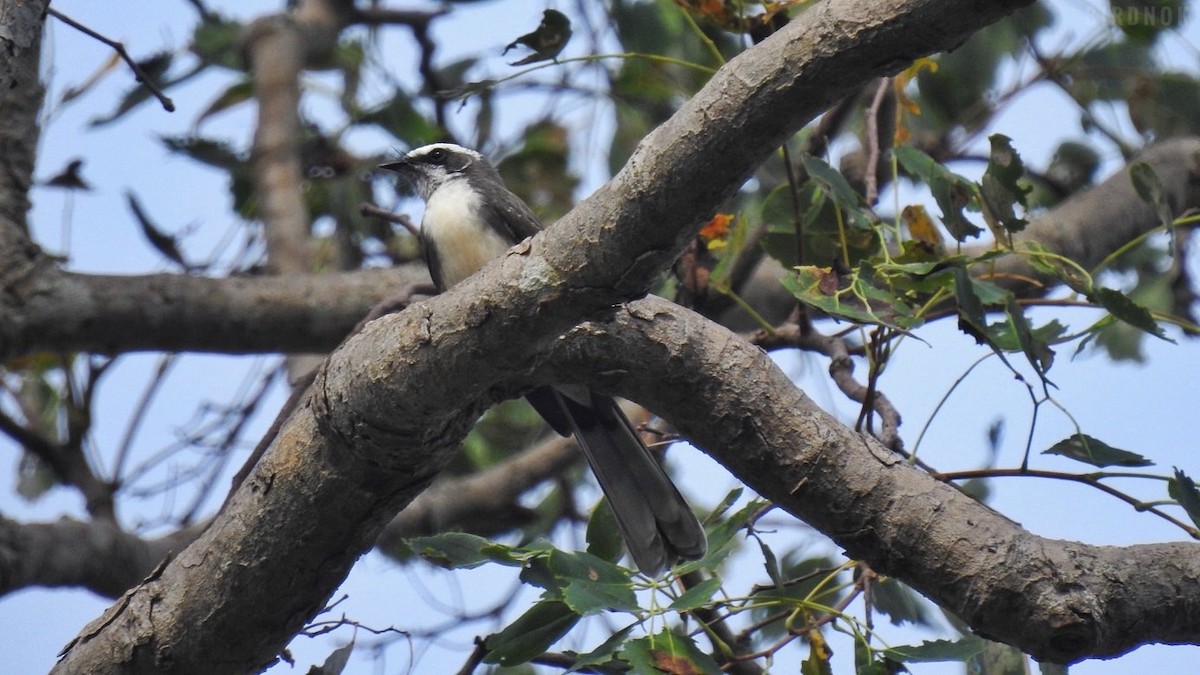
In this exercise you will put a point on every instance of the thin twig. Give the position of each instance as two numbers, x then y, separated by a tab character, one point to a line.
841	370
369	209
139	414
873	154
138	73
1087	479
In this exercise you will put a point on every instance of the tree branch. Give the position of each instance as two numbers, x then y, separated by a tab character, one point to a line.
96	555
391	405
21	94
1090	225
1057	600
46	309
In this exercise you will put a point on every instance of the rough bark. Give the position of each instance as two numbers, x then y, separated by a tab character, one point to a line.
1057	600
278	48
1092	224
21	94
391	405
47	309
96	555
103	558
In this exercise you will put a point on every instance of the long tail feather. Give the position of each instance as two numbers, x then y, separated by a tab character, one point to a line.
658	525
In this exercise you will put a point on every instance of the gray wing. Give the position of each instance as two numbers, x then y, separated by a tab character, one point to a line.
433	263
516	215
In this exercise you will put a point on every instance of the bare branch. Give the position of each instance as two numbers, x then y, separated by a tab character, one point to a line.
96	555
1056	600
50	310
119	47
390	407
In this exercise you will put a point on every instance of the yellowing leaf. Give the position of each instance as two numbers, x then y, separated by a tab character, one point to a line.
819	654
922	228
716	229
900	83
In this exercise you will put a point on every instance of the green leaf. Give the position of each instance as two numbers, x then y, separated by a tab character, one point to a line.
721	536
1150	189
724	505
735	243
668	652
819	655
805	580
1124	308
585	597
952	192
1144	20
1047	668
1110	71
605	653
215	41
400	118
854	298
458	550
547	40
1164	104
212	152
834	184
1072	167
697	596
1001	189
899	602
999	659
335	663
603	536
1039	354
589	584
155	67
1183	490
34	477
1051	332
938	650
531	634
540	171
235	94
960	92
970	307
770	563
1084	448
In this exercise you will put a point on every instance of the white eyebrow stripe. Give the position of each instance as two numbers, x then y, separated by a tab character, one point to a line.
448	147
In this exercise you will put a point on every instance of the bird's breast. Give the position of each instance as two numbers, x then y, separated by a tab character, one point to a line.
460	238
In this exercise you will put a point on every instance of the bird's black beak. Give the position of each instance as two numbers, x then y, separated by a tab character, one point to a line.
399	166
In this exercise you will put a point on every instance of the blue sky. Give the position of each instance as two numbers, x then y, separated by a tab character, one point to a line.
1145	408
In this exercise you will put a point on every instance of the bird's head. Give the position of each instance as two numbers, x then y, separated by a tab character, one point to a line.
431	166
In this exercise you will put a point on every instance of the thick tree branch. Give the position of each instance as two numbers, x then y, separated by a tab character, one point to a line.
107	560
49	310
46	309
484	503
278	48
393	403
97	555
21	94
1092	224
1056	600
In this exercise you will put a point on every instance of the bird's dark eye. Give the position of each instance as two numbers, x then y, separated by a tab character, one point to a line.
437	154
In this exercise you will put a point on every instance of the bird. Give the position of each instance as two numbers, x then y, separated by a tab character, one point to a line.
546	41
471	218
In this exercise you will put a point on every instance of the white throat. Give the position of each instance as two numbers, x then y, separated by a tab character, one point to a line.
454	224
